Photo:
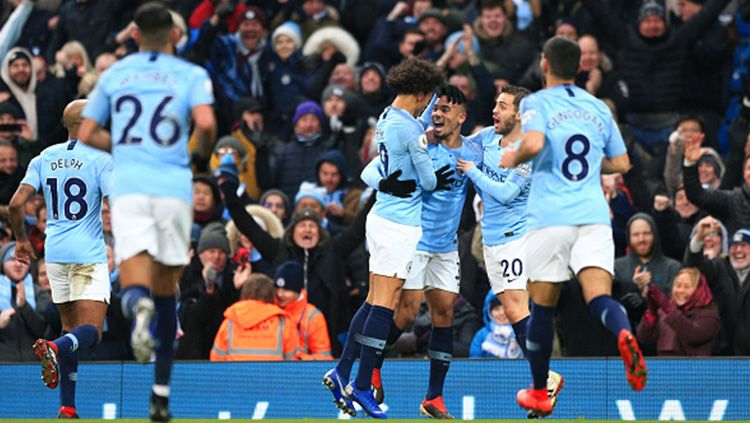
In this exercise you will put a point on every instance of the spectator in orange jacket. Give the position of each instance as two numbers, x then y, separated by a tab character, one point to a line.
254	329
311	324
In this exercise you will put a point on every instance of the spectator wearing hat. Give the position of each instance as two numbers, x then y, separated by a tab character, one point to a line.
729	280
207	204
206	289
306	241
505	54
300	154
291	296
652	59
730	206
20	325
434	25
255	329
496	339
286	74
235	61
341	199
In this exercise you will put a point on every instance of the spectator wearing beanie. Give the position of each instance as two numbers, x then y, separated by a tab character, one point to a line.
207	204
255	144
347	125
291	296
285	72
340	200
255	329
301	152
374	90
206	290
305	241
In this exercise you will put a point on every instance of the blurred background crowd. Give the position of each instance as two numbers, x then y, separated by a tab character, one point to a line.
299	85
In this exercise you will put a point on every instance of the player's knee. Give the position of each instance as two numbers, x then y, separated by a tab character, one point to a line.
442	317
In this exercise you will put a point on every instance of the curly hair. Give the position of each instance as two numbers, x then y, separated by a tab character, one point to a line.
415	76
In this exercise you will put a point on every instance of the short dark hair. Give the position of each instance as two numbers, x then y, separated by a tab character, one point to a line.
492	4
154	22
258	287
411	30
414	76
563	56
517	92
694	118
456	93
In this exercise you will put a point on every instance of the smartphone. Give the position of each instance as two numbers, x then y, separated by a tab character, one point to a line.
10	127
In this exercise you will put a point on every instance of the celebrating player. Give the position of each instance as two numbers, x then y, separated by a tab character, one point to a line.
435	267
569	131
150	96
393	229
504	194
74	178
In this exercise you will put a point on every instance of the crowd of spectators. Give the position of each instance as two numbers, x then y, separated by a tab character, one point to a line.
278	260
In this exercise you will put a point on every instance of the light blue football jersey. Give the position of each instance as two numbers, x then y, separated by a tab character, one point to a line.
150	97
441	210
504	192
578	132
397	134
74	178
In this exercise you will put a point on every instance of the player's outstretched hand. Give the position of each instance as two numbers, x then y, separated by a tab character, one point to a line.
444	180
24	252
392	185
453	93
464	165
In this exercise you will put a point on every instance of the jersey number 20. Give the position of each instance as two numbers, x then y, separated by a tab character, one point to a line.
78	198
157	119
572	157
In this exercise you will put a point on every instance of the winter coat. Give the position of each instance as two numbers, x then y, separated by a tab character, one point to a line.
675	231
297	164
255	331
201	313
505	57
653	69
494	340
91	22
732	207
325	264
687	330
732	297
314	342
344	195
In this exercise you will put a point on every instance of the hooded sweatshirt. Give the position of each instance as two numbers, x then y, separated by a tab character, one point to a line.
494	340
255	331
662	268
26	98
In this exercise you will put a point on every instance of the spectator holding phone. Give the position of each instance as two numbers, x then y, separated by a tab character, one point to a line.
16	131
206	289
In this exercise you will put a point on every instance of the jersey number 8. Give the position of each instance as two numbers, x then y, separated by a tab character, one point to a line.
572	157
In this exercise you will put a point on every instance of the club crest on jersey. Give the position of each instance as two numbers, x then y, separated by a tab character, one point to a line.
523	170
423	141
